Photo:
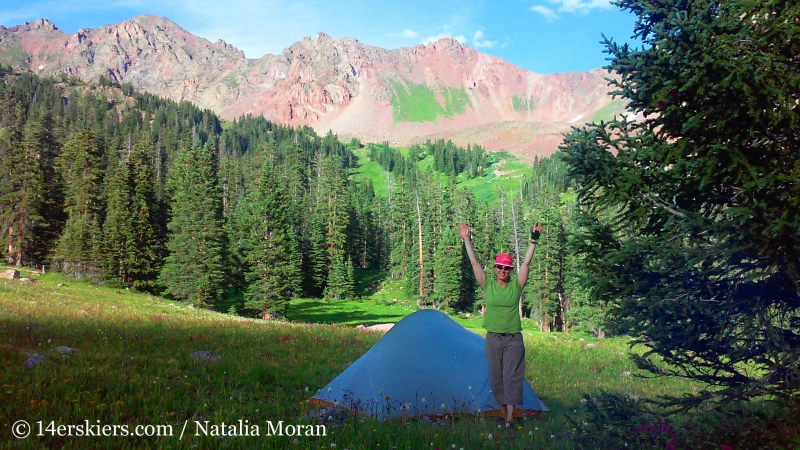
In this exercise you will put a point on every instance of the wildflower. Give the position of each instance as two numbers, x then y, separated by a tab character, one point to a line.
530	433
330	389
490	436
423	399
333	445
443	406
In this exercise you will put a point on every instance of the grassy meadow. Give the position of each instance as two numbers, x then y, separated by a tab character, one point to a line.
132	367
505	173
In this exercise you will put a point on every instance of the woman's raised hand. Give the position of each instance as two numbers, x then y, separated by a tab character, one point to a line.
463	230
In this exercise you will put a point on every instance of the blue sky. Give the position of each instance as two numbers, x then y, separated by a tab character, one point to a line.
542	36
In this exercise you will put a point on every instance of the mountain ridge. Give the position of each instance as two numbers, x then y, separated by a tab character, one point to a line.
443	89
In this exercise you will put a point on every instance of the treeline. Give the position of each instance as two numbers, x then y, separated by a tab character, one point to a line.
453	160
448	158
126	188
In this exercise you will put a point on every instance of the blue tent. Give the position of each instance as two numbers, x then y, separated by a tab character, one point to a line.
426	364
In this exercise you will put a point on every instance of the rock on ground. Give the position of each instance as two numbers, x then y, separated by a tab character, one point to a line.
10	274
204	355
64	350
384	327
36	359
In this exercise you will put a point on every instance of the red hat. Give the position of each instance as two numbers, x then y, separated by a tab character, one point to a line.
504	259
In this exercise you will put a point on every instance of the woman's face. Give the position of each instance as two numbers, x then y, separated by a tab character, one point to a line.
503	272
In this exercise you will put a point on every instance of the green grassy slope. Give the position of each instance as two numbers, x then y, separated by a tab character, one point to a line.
608	113
505	173
522	104
132	367
418	103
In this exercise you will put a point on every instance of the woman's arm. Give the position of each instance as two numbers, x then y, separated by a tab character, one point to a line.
477	269
525	267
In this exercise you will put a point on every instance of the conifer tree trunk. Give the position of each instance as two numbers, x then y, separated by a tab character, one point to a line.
516	246
419	228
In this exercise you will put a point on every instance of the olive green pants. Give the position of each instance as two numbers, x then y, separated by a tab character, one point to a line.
505	353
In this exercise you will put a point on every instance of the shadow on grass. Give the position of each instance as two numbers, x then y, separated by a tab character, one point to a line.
232	298
325	312
368	282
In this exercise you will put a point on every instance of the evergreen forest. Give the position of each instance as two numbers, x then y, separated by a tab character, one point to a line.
126	189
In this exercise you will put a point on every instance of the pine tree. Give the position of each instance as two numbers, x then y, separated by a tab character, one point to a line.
541	291
273	264
194	269
318	257
691	214
338	285
130	230
447	267
332	203
79	250
22	189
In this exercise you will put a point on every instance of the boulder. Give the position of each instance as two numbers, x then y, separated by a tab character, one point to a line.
205	356
64	350
10	274
36	359
384	327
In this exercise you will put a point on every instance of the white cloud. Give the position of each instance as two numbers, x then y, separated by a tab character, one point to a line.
570	6
581	6
460	38
408	33
480	42
545	11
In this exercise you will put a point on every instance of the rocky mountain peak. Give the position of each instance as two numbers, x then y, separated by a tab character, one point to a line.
38	26
443	89
321	37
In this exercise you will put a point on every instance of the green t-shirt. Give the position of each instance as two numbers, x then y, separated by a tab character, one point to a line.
502	306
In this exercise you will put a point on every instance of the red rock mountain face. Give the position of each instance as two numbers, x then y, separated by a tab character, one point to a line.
440	90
